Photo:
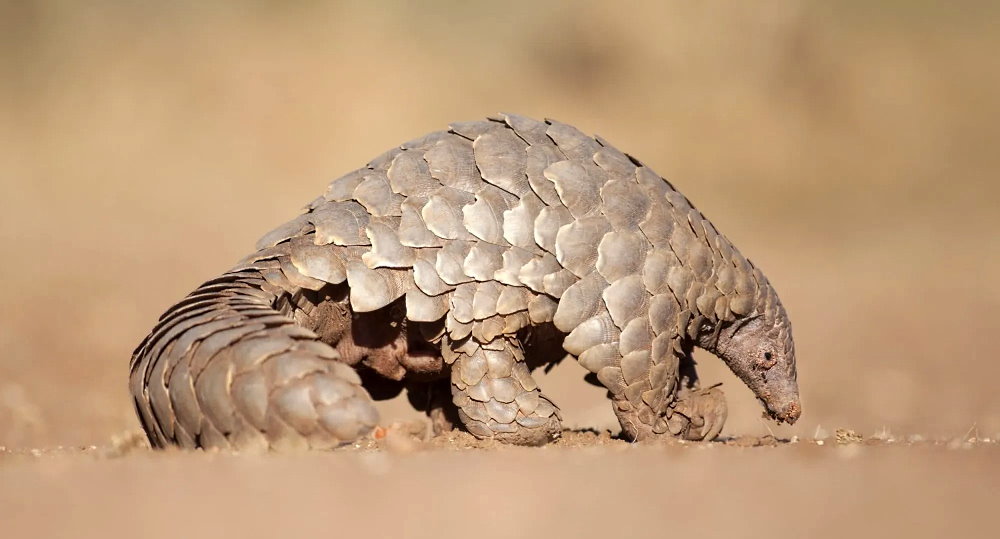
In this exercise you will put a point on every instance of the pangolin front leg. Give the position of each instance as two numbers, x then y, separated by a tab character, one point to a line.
496	395
698	414
665	400
642	395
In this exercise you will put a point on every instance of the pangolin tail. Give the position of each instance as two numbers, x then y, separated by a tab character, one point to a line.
227	368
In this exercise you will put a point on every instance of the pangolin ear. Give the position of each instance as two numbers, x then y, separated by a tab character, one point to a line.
739	325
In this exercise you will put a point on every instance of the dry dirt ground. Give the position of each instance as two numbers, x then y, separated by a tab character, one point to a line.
849	148
587	485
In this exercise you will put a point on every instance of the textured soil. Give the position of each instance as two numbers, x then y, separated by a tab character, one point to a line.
848	148
586	485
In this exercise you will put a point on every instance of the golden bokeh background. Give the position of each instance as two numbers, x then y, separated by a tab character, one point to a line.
849	148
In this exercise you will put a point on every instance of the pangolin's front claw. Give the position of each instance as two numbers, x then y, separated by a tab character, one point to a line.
705	411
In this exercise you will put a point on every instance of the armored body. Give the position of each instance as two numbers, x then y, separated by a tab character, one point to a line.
453	265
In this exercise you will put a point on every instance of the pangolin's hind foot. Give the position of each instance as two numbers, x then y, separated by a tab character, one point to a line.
497	397
434	399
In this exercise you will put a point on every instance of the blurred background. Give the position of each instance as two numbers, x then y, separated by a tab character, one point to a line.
848	148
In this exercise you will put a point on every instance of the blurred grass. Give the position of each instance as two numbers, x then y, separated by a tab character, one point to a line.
848	148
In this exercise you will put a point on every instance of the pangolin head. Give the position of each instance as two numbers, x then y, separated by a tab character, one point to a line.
759	349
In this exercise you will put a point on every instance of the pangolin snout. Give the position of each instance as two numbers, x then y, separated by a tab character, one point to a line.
789	413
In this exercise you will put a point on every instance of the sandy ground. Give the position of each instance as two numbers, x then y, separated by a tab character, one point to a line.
848	148
590	487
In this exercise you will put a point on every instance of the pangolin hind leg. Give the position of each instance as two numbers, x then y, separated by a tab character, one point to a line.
435	400
496	395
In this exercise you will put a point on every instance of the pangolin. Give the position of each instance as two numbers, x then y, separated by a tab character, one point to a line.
453	265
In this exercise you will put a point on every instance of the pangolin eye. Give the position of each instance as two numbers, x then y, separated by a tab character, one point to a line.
767	356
